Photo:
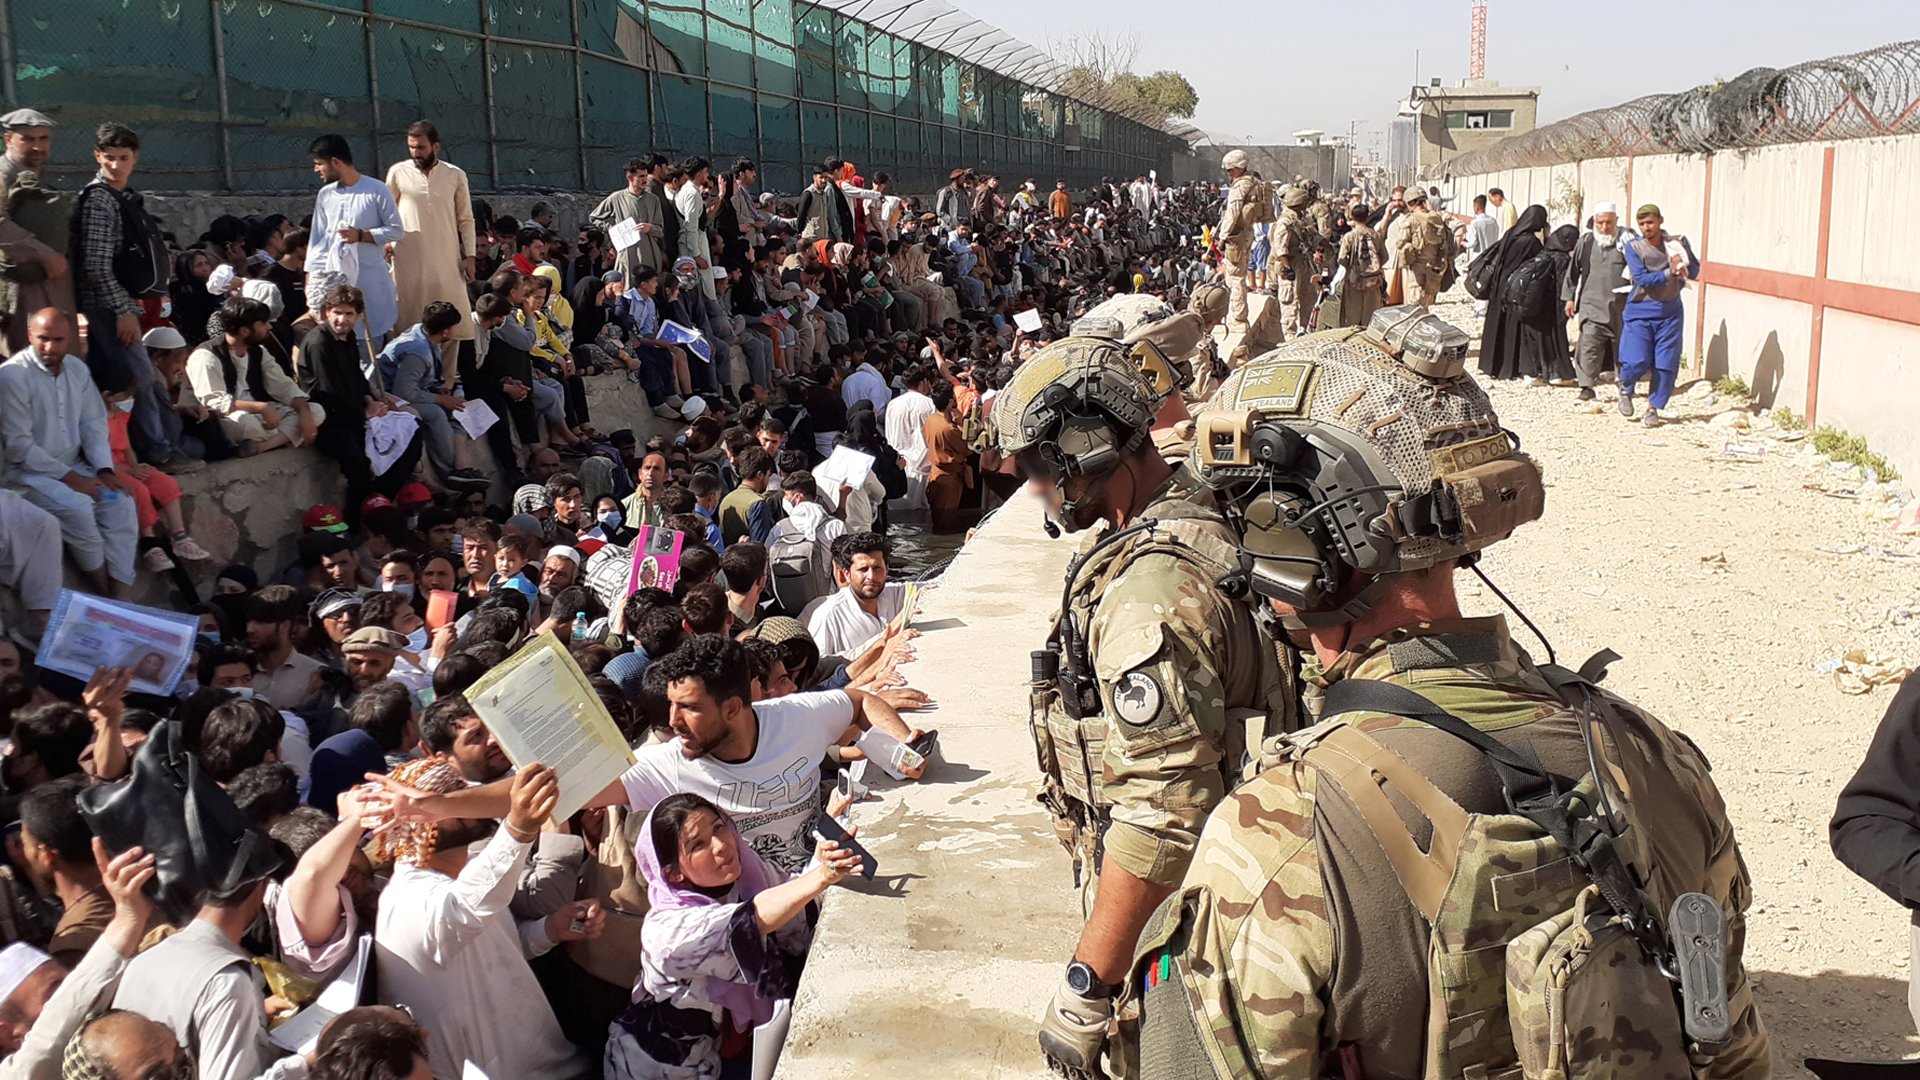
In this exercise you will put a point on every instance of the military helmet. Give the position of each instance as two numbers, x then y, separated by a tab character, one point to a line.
1078	407
1360	452
1147	328
1294	197
1209	302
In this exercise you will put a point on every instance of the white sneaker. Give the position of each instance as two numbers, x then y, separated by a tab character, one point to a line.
1532	381
1651	418
666	412
155	561
188	549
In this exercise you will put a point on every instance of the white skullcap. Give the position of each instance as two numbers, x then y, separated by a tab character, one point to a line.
220	280
17	961
1605	208
264	291
562	551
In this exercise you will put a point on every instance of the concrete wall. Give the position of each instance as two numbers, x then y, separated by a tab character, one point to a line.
1810	288
249	510
1327	164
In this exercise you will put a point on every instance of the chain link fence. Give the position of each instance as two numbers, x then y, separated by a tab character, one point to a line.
550	95
1858	96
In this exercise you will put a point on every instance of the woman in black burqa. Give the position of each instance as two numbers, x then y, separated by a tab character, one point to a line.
1520	339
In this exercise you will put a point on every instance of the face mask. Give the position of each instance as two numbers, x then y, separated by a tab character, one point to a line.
123	406
413	521
208	638
166	308
459	542
243	691
610	520
185	688
417	641
403	590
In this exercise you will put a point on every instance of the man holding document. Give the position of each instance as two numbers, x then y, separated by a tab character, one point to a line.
758	762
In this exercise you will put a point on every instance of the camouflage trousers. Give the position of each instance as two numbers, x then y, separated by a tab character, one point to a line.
1297	299
1234	256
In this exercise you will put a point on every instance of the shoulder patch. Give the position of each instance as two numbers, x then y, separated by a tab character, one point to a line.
1138	699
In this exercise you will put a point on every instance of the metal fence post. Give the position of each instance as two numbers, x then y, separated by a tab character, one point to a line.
373	87
6	50
579	95
220	77
486	87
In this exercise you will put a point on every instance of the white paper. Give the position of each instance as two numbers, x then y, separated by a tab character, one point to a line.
87	632
1676	248
387	437
301	1031
893	756
539	707
477	418
1028	320
847	466
624	234
768	1040
470	1071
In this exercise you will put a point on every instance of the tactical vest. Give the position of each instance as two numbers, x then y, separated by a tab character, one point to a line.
1067	716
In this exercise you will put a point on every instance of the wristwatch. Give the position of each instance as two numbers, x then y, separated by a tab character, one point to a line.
1081	980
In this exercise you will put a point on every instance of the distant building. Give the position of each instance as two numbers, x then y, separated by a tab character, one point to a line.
1471	115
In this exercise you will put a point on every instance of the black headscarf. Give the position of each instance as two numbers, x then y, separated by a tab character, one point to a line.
1564	238
1498	356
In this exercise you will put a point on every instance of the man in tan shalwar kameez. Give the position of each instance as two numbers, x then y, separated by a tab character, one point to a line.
434	260
640	204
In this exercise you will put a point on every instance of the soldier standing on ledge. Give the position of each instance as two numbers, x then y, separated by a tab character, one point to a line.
1155	684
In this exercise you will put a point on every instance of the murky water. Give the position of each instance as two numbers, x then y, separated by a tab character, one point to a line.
919	552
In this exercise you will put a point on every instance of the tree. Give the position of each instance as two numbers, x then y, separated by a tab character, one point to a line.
1170	92
1100	72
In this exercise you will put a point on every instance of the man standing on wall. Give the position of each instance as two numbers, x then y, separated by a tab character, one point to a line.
33	266
1245	198
1660	266
640	204
354	218
434	260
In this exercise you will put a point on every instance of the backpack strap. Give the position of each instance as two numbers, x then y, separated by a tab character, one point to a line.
1359	765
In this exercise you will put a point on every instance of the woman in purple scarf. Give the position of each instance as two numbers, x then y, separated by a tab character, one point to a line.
724	939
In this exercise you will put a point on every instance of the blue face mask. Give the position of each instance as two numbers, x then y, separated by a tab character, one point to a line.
610	520
208	638
403	590
243	691
418	641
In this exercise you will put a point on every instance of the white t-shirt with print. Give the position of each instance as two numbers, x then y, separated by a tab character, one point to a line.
773	796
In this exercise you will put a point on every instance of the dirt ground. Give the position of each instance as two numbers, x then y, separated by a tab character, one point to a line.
1730	588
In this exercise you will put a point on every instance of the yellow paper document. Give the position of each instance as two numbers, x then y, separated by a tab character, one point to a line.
540	708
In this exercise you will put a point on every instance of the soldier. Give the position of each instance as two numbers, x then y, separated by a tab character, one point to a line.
1302	250
1248	204
1418	885
1426	251
1154	684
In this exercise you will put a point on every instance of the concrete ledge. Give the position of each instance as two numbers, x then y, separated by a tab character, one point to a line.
942	965
249	510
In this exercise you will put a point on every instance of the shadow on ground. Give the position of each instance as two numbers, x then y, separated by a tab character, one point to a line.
1833	1015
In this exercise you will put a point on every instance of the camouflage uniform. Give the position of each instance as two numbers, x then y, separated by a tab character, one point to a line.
1236	245
1256	965
1299	240
1188	682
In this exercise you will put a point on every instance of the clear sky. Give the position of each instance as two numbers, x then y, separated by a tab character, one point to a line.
1268	69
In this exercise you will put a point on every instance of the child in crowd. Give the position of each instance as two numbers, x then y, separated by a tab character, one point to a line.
156	495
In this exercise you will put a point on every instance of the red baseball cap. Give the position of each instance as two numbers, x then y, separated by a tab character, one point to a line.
323	518
414	494
374	502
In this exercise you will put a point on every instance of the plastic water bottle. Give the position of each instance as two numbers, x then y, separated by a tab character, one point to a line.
579	627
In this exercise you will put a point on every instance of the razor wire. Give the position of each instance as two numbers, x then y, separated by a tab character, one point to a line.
1861	95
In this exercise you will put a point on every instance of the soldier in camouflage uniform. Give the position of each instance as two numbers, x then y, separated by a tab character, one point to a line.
1382	899
1155	686
1235	235
1302	250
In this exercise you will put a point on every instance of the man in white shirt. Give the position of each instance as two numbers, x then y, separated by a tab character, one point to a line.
865	384
759	762
691	202
451	951
53	425
865	604
905	415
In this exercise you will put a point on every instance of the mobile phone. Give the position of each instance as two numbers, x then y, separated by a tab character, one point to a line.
826	827
924	745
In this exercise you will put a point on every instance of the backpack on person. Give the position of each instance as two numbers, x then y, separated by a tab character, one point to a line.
140	264
1529	291
1366	269
1481	278
799	566
1430	240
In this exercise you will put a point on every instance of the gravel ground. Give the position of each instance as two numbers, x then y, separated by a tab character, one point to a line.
1730	588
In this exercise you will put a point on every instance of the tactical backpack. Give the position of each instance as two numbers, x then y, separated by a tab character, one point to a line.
1258	209
1545	958
799	567
1428	238
1530	290
1368	270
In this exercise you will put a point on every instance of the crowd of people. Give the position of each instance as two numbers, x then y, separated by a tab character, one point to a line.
325	710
